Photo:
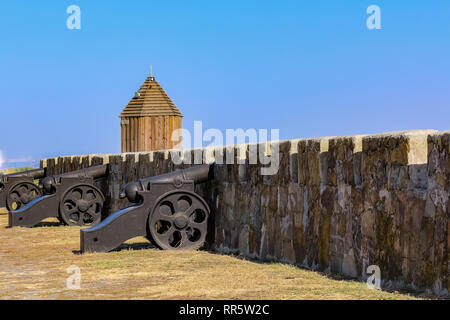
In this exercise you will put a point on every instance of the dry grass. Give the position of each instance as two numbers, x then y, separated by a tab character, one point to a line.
33	265
13	170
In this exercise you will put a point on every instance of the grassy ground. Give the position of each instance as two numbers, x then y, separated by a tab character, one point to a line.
12	170
33	264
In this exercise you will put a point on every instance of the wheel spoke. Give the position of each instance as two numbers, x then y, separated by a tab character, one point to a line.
92	202
70	211
191	210
188	210
80	220
89	218
92	211
198	226
166	218
184	238
166	235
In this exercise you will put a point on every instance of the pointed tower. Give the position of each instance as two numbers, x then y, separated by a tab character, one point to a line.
149	119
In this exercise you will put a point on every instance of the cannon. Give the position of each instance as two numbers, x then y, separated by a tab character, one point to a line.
71	197
18	189
165	210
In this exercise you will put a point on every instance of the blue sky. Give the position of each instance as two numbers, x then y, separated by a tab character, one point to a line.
308	68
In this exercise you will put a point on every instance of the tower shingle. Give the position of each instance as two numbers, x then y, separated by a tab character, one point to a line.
150	100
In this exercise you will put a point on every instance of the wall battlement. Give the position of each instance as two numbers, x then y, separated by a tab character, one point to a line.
336	204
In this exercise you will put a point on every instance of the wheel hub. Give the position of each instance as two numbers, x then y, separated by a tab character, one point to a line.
24	199
180	221
82	205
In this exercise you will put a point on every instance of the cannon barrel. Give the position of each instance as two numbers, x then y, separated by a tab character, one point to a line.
197	174
94	172
35	173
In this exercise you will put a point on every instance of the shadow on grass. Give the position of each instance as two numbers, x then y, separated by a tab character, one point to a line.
337	277
42	224
49	224
128	246
135	246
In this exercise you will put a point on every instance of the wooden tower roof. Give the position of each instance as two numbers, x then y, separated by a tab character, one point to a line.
150	100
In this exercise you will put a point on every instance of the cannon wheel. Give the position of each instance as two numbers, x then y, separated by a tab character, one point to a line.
81	205
178	221
21	194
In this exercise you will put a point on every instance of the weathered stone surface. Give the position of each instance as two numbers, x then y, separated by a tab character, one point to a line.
437	213
344	180
336	204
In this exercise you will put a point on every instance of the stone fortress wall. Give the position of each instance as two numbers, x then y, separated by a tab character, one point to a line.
336	204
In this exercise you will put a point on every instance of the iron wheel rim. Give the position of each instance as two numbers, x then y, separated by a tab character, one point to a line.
82	205
21	194
179	221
